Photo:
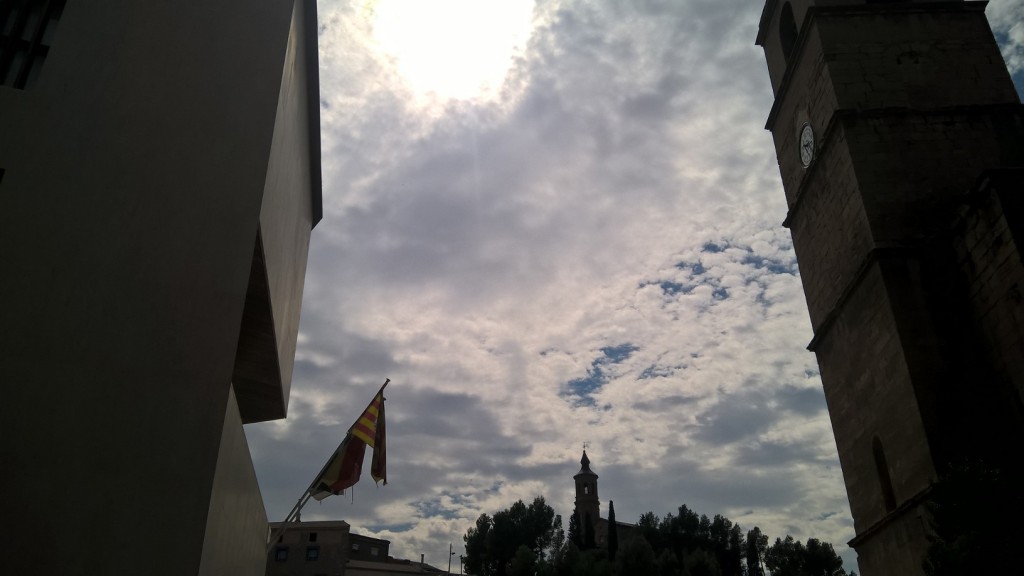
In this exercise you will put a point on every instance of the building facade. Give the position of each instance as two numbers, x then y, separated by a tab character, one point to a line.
329	548
900	139
159	180
322	548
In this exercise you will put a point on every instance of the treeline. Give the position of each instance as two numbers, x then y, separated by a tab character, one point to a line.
527	540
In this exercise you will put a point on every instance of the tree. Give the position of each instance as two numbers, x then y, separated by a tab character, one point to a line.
821	559
757	545
523	563
493	544
613	534
575	533
785	557
790	557
700	563
973	510
732	562
667	564
569	559
636	557
592	563
648	528
558	543
540	526
476	546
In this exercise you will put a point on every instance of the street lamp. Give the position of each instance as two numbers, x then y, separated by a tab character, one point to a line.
450	554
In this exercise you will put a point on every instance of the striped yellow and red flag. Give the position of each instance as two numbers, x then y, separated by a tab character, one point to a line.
346	464
366	427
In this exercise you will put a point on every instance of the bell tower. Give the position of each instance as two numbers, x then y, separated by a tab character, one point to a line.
886	115
587	504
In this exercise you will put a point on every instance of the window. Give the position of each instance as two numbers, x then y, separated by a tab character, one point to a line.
374	551
26	32
281	555
355	547
312	553
312	536
884	480
787	30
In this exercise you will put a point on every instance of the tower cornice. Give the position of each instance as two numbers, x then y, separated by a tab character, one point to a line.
814	12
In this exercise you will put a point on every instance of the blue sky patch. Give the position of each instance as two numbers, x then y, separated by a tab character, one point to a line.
655	371
696	268
720	293
771	265
712	248
1018	78
433	509
584	388
670	288
616	354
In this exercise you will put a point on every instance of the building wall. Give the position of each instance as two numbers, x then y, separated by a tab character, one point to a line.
330	540
899	546
134	176
987	248
866	334
267	350
235	538
286	211
369	549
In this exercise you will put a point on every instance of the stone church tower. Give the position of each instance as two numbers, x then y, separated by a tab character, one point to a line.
900	141
588	507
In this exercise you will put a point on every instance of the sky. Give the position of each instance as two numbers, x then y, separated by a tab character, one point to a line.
551	223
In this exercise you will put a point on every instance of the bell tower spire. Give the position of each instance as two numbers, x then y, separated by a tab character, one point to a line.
588	507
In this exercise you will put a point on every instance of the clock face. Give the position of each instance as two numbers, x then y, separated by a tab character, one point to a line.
806	145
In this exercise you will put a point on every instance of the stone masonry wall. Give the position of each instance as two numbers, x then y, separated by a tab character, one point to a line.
988	254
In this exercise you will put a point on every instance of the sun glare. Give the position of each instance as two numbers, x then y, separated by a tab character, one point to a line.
452	49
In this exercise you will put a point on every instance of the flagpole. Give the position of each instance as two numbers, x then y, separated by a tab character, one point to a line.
302	501
308	493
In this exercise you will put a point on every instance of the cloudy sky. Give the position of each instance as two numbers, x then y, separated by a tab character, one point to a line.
551	223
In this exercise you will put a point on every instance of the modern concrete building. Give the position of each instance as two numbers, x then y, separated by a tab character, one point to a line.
159	179
900	140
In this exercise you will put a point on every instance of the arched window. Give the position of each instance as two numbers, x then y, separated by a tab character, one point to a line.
787	30
882	468
586	488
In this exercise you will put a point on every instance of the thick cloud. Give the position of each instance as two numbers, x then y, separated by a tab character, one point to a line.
591	253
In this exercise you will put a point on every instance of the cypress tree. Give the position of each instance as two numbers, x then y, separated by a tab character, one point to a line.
613	532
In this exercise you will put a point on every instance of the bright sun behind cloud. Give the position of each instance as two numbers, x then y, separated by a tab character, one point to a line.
452	49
